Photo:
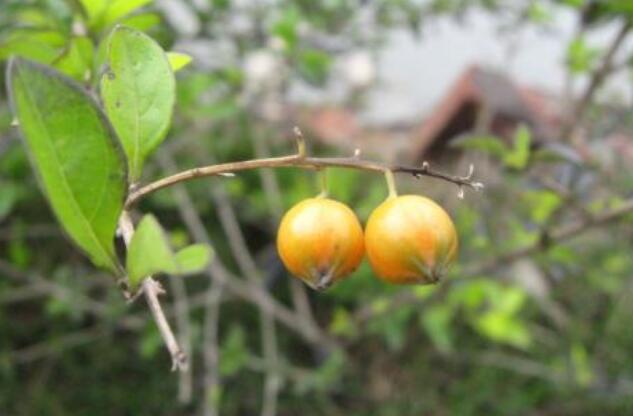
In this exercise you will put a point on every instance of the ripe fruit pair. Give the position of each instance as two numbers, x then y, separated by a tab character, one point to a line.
408	239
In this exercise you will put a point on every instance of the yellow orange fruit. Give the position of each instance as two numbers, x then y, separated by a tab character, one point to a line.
320	241
410	239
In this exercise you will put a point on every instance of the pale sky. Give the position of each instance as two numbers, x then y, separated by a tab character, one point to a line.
416	73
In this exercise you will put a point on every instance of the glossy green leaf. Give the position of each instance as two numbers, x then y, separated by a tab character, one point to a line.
141	21
28	47
138	92
77	59
149	252
104	13
74	153
94	8
193	259
118	9
178	60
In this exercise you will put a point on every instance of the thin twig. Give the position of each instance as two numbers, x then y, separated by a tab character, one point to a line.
298	161
183	326
213	296
247	267
557	235
151	289
597	78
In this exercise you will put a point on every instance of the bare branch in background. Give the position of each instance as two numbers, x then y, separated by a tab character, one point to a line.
248	268
569	130
183	326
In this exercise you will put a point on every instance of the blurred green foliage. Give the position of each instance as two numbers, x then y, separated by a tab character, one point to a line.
545	334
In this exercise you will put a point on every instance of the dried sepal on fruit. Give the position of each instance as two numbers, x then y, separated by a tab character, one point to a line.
320	241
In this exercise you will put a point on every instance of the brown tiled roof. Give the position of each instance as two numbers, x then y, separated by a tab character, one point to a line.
484	88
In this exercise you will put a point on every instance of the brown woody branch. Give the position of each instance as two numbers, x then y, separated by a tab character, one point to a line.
300	160
152	289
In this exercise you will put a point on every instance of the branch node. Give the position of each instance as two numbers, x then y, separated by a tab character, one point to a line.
179	361
301	142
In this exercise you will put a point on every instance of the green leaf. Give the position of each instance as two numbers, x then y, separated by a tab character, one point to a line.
538	13
234	351
580	57
582	365
28	47
148	253
9	193
142	21
118	9
138	92
105	13
314	66
94	8
193	259
487	144
342	323
286	28
77	59
520	154
74	153
504	328
437	323
178	60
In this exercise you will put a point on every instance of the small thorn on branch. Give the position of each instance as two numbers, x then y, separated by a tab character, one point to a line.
471	170
477	186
